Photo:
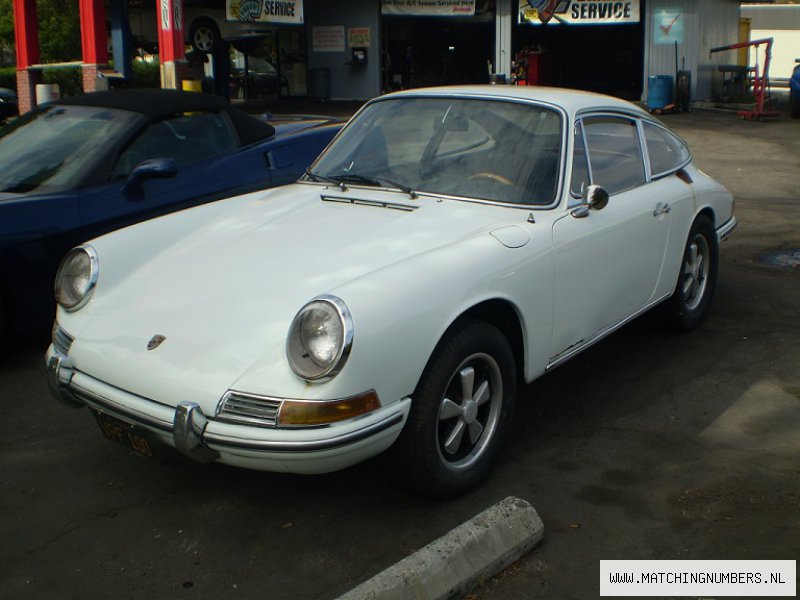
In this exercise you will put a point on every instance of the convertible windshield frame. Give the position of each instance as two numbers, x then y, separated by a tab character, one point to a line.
330	165
53	149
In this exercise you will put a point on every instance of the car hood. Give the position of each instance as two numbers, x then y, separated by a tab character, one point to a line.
224	290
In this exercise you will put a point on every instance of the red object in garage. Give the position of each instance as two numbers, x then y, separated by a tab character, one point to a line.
532	67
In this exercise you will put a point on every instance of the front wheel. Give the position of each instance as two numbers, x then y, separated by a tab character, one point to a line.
697	279
460	413
204	35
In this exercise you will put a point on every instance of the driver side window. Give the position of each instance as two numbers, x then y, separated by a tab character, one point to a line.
184	138
615	154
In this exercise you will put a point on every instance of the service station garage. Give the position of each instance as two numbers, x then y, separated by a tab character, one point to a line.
359	49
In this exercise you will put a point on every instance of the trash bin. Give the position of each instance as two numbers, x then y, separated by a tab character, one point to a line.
659	91
319	84
46	93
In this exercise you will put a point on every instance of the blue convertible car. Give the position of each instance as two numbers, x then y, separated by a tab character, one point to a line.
87	165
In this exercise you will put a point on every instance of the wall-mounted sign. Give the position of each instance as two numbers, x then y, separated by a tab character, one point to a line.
358	37
428	8
327	39
578	12
667	27
264	11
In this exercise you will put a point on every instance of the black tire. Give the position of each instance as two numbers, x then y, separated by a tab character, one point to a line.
697	278
430	456
794	105
204	36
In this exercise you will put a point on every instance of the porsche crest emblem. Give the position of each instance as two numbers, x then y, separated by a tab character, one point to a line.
155	342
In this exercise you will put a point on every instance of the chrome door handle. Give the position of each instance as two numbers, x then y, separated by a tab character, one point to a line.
662	208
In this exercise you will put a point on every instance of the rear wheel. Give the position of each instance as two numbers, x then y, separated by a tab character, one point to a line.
460	413
697	279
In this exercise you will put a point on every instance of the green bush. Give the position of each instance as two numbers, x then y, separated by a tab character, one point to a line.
146	74
8	77
69	80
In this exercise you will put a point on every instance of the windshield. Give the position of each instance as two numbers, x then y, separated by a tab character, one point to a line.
46	151
474	148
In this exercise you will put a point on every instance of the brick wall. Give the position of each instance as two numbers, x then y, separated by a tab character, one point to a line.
26	88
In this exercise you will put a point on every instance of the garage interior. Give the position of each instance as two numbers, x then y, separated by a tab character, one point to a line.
425	51
598	58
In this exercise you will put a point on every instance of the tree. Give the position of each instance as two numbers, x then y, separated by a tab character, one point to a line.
6	24
59	29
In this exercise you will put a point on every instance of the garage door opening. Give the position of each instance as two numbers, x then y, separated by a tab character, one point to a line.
420	51
598	58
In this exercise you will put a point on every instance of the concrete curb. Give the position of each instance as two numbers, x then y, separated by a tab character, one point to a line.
482	546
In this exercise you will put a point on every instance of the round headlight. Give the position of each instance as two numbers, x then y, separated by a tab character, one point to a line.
76	277
320	338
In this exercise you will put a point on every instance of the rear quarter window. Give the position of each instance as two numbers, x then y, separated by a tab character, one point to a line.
665	150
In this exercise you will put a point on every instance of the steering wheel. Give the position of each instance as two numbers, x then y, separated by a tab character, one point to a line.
492	176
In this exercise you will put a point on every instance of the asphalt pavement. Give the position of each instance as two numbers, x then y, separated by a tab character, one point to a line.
650	445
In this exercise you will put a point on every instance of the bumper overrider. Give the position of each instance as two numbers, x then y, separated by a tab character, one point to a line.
205	438
724	231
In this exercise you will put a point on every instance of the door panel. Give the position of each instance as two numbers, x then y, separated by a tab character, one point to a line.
607	262
607	265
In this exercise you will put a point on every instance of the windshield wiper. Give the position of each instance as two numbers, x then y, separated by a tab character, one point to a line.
317	177
376	181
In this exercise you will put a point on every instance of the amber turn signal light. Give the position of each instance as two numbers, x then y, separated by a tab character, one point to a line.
305	413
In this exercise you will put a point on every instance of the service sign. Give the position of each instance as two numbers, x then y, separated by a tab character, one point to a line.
264	11
578	12
428	8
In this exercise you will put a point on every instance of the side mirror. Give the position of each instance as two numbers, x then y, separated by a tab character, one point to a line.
152	168
595	198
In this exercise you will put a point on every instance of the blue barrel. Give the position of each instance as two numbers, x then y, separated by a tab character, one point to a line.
659	91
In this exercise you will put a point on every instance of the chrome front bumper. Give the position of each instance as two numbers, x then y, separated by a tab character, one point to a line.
205	440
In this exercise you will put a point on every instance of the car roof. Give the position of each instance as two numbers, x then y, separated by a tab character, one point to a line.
573	101
156	104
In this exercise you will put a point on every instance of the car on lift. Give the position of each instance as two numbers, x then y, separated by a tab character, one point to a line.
205	25
450	245
87	165
794	91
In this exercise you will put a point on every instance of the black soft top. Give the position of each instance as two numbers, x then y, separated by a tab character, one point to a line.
157	104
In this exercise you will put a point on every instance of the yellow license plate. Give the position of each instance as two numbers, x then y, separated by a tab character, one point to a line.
130	436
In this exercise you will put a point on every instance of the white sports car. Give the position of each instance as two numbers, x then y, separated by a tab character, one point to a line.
449	245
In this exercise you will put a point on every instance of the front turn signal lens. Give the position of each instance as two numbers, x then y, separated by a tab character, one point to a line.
308	413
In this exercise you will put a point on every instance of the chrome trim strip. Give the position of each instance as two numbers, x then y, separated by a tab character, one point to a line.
577	349
724	230
123	412
344	439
